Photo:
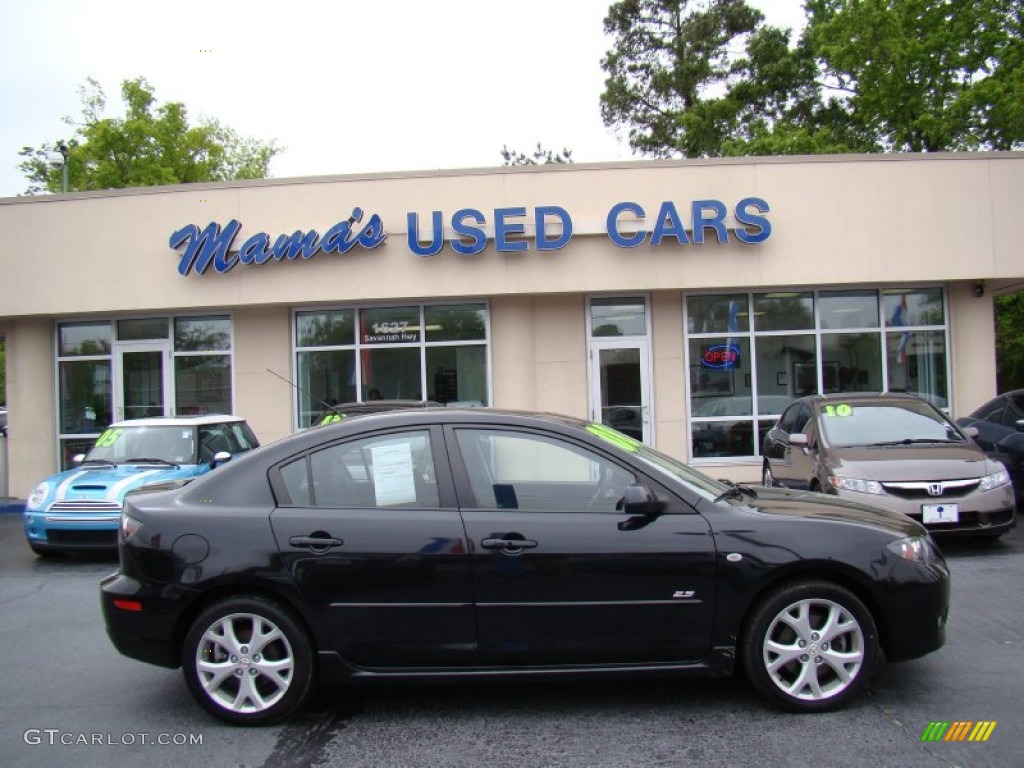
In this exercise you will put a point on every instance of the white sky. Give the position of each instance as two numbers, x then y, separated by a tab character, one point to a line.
343	86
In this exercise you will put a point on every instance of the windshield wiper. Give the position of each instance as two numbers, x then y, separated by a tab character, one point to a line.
148	460
104	462
736	491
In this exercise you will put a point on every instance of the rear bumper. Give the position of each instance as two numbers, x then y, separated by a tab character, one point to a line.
149	633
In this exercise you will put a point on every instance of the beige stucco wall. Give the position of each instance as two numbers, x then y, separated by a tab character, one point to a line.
262	342
31	425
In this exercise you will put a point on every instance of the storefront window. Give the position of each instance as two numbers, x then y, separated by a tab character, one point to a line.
430	352
917	364
85	396
202	384
325	379
789	353
848	309
464	322
202	334
142	329
84	339
718	314
325	329
783	311
850	362
618	316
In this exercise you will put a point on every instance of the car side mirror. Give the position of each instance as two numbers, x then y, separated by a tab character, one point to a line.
220	457
798	438
639	500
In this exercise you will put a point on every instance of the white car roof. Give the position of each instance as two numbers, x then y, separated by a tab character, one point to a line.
178	421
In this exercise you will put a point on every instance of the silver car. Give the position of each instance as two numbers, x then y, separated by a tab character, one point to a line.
895	451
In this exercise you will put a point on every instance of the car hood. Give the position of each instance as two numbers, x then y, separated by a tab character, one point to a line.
806	504
110	484
910	462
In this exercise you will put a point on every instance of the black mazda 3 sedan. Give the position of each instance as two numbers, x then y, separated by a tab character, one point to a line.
446	544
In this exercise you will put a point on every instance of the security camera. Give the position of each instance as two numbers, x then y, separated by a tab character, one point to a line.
978	289
55	159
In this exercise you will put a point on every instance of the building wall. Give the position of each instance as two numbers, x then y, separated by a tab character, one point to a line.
31	425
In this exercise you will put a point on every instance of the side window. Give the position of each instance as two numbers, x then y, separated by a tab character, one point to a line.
296	482
1014	410
992	412
242	437
789	419
383	471
519	470
803	415
213	439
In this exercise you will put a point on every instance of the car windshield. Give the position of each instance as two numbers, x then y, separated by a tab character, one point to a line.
858	424
172	444
699	482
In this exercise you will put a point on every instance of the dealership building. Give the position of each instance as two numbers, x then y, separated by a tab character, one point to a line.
684	302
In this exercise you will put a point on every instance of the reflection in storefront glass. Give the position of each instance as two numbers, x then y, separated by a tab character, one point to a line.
141	329
723	438
457	374
848	309
913	306
85	339
459	322
917	364
202	334
325	329
324	379
783	311
391	374
618	316
851	362
202	384
717	314
85	396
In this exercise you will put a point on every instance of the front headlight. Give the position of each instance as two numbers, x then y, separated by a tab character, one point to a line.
916	549
38	496
994	480
855	484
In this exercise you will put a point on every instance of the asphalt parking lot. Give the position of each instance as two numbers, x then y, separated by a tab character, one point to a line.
68	698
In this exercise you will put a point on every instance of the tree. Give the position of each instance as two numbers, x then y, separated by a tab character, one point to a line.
151	145
865	76
540	156
1009	341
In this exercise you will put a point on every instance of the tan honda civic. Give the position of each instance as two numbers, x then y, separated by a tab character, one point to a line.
895	451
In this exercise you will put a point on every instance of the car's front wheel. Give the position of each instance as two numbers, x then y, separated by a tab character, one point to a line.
247	661
810	646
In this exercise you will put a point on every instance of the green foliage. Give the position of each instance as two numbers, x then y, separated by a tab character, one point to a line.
1009	341
707	79
540	156
151	145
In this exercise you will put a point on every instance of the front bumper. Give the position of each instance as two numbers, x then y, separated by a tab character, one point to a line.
66	531
981	513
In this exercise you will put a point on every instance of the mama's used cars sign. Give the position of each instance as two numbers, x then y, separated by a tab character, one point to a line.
468	230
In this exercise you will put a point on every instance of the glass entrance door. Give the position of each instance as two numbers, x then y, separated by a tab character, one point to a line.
143	380
620	384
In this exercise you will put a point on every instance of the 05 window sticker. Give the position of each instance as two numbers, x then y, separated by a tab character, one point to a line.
108	438
842	410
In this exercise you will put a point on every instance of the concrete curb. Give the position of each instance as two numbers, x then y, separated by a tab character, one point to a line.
12	506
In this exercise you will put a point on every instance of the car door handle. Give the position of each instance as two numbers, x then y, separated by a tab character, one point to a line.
315	542
509	545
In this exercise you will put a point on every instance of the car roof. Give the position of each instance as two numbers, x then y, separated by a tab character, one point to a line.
845	397
178	421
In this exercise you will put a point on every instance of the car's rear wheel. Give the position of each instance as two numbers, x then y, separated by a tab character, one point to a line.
247	661
810	646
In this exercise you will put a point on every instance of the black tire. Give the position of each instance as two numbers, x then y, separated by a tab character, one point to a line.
839	650
277	670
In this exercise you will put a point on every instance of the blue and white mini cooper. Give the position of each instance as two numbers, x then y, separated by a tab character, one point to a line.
80	509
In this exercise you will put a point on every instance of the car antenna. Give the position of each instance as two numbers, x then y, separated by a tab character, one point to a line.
310	395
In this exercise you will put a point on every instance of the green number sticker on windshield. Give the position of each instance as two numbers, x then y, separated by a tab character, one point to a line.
108	438
843	409
332	418
613	436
